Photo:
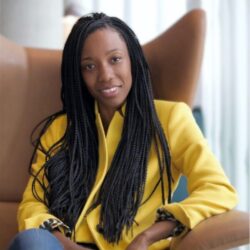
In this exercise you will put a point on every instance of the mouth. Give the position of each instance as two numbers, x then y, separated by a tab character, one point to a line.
110	91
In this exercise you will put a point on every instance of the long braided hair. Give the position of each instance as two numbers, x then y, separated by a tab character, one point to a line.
72	162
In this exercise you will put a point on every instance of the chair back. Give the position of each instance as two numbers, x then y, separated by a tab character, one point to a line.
30	91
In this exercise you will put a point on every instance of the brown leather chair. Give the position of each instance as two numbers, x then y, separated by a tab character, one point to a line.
30	91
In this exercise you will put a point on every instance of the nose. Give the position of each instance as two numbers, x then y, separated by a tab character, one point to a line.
105	73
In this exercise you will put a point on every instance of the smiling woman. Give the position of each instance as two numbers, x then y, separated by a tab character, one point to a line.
105	165
106	70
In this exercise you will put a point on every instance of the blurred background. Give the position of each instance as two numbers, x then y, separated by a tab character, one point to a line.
223	94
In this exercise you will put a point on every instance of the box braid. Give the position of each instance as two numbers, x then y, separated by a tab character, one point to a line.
72	162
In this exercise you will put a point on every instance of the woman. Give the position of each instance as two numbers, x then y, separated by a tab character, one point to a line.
106	165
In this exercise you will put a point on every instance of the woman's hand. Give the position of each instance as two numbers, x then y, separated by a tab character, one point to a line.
140	242
156	232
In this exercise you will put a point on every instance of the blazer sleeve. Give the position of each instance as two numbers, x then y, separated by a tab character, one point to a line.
31	212
210	191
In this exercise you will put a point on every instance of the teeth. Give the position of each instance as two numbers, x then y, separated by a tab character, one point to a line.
109	90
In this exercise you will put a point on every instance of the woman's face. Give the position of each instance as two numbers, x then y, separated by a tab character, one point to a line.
106	68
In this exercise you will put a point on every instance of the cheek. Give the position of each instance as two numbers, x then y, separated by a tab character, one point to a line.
129	81
89	81
127	75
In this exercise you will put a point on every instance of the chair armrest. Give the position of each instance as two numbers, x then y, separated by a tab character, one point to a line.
224	231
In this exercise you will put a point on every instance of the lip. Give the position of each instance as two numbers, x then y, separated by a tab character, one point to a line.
110	91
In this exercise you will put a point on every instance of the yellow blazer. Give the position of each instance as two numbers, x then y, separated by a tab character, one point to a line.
210	192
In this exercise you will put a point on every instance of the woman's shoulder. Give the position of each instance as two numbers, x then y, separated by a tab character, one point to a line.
58	124
173	114
55	131
166	108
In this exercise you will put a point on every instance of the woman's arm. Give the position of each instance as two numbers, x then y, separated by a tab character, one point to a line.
32	212
210	191
158	231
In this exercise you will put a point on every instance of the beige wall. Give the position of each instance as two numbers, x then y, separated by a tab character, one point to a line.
33	23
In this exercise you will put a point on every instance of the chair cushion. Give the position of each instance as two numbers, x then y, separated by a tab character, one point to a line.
8	211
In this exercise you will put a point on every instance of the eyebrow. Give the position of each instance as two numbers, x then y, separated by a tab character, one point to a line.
108	52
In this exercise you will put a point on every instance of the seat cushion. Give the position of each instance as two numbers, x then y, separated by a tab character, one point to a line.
8	227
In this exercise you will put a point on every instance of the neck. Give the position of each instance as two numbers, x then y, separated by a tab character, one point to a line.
106	116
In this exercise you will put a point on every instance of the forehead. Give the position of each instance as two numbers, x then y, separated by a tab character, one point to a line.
104	39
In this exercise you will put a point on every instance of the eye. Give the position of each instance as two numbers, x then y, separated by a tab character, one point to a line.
116	59
88	67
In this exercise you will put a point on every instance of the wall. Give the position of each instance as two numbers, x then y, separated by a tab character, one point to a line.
32	23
